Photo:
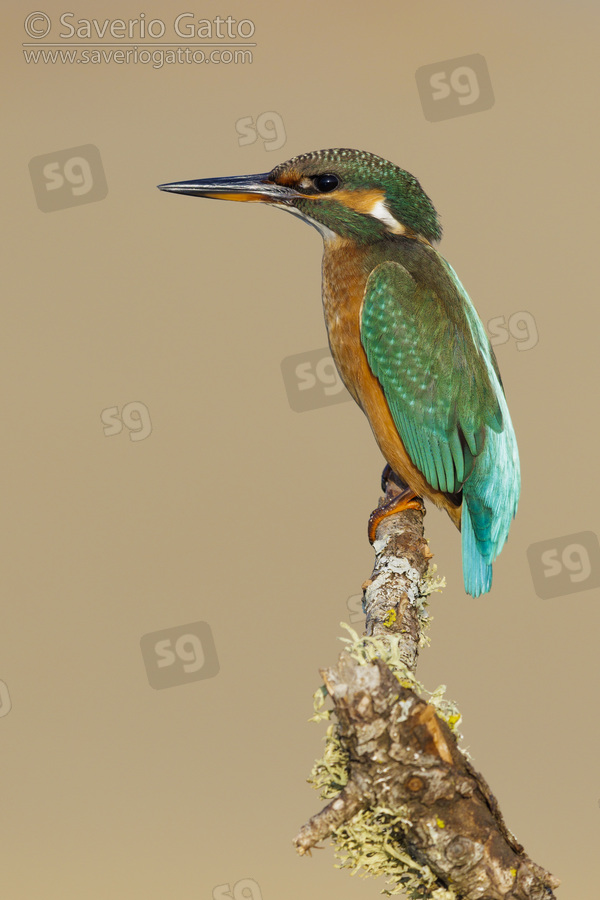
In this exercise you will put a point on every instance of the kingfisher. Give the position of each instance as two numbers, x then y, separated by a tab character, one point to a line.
406	339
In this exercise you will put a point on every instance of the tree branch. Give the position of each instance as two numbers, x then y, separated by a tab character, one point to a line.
408	803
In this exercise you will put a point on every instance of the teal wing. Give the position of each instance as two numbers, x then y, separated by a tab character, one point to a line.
441	381
434	376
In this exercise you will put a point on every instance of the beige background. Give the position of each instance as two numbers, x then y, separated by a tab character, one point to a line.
238	511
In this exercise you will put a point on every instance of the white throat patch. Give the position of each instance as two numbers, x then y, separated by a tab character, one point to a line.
326	233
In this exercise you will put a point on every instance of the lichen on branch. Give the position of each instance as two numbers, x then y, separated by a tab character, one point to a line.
405	802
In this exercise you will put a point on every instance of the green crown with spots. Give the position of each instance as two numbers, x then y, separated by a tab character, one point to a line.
331	183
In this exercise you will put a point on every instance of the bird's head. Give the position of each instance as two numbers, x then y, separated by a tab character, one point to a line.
346	193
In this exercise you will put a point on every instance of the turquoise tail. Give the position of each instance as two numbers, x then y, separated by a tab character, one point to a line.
477	573
490	499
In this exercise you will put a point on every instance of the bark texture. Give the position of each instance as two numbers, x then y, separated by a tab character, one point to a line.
403	757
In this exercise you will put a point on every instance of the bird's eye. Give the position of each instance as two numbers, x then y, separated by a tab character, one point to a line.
326	183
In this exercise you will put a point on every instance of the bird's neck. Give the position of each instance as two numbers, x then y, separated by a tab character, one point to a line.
346	267
345	273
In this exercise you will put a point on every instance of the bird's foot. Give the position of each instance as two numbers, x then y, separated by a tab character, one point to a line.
398	497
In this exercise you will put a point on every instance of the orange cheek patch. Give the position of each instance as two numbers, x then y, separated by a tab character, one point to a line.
360	201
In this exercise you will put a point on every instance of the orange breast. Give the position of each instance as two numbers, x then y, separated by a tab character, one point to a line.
345	276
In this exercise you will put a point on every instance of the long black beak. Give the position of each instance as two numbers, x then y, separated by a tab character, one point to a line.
237	187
